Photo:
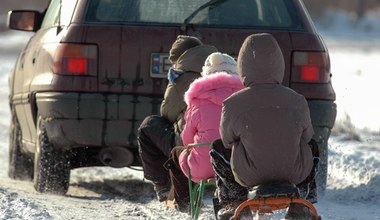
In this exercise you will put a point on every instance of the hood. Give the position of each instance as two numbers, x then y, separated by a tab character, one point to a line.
260	60
192	60
215	88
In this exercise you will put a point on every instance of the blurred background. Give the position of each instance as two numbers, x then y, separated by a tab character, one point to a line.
356	8
6	5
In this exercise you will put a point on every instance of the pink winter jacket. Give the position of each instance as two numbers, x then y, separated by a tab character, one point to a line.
204	100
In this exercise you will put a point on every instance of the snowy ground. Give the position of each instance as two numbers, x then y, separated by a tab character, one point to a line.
353	191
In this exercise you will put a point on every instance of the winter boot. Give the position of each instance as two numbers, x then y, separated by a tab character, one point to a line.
183	205
162	191
298	212
180	203
227	212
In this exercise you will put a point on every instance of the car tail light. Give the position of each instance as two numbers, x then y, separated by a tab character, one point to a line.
76	59
310	67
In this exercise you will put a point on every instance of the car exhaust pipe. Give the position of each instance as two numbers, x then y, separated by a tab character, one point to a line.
116	157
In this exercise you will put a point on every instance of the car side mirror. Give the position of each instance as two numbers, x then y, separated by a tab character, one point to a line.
24	20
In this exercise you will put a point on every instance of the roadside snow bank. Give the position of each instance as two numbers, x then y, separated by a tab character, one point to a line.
12	206
354	169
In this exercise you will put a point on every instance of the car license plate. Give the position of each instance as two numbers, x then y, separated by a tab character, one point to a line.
159	65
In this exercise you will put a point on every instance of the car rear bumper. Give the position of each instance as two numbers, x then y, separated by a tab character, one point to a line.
322	113
93	119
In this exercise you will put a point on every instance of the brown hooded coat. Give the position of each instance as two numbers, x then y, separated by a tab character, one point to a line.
190	63
267	125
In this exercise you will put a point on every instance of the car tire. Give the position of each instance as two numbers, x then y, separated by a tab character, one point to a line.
20	164
52	165
321	178
322	174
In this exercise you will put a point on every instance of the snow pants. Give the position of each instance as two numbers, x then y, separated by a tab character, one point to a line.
156	139
228	190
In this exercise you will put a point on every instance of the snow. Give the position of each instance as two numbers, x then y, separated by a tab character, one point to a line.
353	190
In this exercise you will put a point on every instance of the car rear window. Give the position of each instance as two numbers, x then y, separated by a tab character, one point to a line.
271	14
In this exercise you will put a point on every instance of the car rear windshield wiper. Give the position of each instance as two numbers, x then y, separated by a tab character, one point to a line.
192	15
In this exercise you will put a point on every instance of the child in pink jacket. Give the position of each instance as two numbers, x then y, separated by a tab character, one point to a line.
204	100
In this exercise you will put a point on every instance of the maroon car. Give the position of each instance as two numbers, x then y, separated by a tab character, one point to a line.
96	68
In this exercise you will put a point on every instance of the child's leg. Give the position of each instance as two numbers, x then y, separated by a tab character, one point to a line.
308	188
179	181
156	140
228	190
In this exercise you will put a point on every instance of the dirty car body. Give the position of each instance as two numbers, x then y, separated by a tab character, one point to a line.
95	69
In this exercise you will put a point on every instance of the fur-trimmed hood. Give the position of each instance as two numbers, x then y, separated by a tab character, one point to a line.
216	87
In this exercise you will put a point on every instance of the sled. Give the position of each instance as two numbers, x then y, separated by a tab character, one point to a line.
196	190
264	199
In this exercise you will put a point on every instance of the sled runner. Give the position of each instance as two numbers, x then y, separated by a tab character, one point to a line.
270	197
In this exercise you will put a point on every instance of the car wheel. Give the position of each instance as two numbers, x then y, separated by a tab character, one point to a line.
321	178
20	164
52	165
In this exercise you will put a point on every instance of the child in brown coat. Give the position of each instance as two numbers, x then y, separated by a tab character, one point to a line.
265	129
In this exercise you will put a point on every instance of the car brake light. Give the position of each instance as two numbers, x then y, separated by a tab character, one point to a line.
310	67
75	59
77	65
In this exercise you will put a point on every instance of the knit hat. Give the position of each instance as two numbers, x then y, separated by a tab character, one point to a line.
182	43
219	62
